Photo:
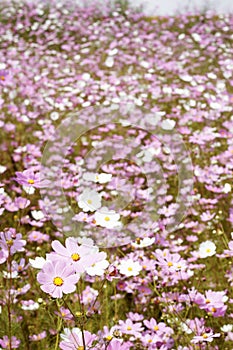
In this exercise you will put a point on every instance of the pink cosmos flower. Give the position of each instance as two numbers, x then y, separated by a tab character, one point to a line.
5	342
128	327
79	256
4	77
65	314
57	278
205	337
29	179
213	302
12	242
73	340
160	328
38	337
117	345
169	262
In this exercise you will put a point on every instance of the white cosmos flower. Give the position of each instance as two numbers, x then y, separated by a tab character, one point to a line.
38	262
67	332
37	214
98	268
31	306
100	178
107	218
2	169
29	190
89	200
206	249
13	274
109	62
142	243
227	328
129	267
227	188
168	124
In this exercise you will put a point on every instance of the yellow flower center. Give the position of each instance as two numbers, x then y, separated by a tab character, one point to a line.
109	337
9	242
156	328
207	301
58	281
75	257
80	347
204	336
107	218
130	269
149	340
89	201
31	181
169	264
208	250
129	328
2	77
213	309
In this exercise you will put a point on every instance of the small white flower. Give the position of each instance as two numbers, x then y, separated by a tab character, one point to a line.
37	214
227	188
206	249
186	78
37	263
31	306
196	37
2	169
107	218
109	62
129	268
227	328
89	200
29	190
13	274
98	268
67	332
168	124
142	243
100	178
54	116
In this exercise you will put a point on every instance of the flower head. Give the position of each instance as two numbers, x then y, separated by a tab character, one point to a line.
57	278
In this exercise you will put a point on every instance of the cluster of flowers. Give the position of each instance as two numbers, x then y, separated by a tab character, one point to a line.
161	289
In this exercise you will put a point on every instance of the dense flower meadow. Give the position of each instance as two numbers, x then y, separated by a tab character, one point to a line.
116	171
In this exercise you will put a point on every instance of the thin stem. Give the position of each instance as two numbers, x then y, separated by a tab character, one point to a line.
9	299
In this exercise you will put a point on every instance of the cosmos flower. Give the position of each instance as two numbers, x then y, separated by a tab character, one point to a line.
5	342
99	178
57	278
129	267
29	179
11	241
206	249
89	200
107	218
98	264
73	339
4	77
76	255
205	337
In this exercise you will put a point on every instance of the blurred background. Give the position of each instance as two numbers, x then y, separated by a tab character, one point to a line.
169	7
173	7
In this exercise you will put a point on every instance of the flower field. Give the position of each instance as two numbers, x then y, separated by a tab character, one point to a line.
116	170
